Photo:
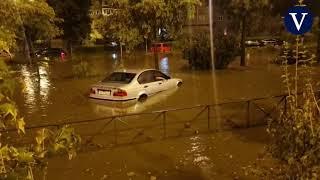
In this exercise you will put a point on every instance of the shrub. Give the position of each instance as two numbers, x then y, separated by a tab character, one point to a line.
80	69
296	133
198	51
288	55
226	51
20	162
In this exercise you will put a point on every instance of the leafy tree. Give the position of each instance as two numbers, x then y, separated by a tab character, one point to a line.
9	24
25	21
76	23
38	22
198	51
120	26
243	9
155	15
135	20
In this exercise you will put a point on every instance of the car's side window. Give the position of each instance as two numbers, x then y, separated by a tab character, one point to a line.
146	77
159	76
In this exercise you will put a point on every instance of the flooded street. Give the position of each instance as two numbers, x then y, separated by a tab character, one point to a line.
203	157
52	94
159	90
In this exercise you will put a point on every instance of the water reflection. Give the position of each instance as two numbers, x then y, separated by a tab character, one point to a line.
197	150
36	86
114	55
164	65
197	154
29	90
117	108
44	83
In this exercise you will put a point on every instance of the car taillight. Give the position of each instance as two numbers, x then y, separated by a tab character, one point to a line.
120	93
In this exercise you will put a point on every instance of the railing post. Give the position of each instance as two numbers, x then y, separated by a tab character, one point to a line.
285	105
248	114
164	123
115	130
209	122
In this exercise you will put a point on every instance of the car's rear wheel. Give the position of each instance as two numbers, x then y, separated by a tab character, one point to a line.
179	84
143	98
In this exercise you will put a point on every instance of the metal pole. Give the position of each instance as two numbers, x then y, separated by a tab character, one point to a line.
248	114
209	123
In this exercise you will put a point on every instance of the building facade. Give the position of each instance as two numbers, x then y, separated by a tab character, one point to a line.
220	19
101	7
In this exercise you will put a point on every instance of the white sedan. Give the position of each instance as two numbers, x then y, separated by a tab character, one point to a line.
133	84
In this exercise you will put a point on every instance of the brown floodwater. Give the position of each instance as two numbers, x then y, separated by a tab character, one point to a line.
51	94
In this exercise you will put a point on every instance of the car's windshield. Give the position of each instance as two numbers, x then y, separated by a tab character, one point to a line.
120	77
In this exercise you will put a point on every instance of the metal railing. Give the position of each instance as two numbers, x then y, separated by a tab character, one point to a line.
157	125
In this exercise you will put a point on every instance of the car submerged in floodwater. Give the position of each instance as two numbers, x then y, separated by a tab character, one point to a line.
129	85
114	108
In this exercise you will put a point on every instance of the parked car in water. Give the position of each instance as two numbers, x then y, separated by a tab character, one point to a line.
272	42
117	108
111	45
133	85
160	48
50	53
253	43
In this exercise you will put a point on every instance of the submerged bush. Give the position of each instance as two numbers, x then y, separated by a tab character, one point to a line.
288	55
80	69
198	51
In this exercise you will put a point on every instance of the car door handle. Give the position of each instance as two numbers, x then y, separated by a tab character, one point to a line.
146	86
160	83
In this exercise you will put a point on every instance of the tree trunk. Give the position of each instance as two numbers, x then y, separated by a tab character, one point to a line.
27	48
121	64
121	51
146	45
197	15
243	38
318	48
70	48
30	45
156	56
